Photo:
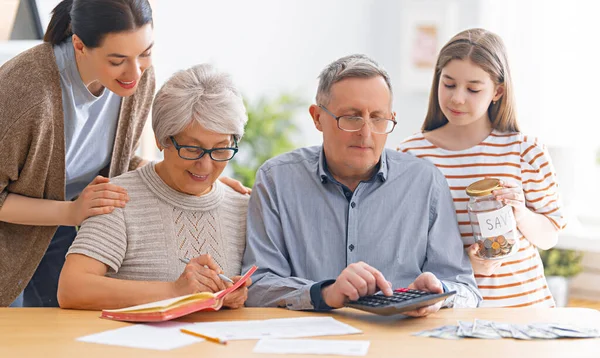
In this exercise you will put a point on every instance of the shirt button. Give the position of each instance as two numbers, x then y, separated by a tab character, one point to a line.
348	194
351	247
353	205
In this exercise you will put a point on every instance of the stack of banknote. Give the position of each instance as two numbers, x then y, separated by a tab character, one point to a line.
497	330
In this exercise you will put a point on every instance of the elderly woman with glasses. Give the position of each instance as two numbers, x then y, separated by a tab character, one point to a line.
181	227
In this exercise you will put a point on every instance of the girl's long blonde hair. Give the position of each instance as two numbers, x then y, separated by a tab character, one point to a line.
486	50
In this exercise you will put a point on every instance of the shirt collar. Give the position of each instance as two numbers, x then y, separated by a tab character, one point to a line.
325	175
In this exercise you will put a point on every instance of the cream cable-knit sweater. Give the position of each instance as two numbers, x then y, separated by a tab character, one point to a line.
158	226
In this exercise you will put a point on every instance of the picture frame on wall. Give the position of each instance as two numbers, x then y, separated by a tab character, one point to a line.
425	27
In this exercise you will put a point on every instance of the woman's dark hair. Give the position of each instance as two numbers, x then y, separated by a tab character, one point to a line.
91	20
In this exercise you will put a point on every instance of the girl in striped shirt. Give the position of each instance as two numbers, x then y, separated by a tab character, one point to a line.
471	133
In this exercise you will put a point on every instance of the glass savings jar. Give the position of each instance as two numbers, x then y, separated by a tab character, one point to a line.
493	222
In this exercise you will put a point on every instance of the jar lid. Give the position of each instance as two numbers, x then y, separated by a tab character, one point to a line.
483	187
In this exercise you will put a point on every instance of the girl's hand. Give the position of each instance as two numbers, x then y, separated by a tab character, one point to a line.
512	194
235	185
482	266
99	197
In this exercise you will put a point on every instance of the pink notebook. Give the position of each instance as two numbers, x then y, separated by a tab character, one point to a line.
175	307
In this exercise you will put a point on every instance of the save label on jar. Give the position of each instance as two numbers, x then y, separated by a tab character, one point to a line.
497	222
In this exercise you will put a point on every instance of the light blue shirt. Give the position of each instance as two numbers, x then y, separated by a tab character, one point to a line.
90	123
304	228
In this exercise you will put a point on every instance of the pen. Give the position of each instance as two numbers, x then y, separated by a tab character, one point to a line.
208	338
223	277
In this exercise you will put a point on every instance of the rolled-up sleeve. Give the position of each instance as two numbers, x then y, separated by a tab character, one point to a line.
446	258
13	157
540	185
272	285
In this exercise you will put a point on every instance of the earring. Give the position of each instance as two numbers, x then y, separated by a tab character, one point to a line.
494	102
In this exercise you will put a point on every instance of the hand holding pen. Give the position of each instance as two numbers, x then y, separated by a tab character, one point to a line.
201	274
223	277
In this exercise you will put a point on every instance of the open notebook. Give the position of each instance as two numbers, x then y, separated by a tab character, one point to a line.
175	307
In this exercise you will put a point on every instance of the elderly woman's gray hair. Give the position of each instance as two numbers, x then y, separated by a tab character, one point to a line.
353	66
202	94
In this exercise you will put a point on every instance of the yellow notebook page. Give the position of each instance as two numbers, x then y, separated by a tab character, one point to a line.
167	304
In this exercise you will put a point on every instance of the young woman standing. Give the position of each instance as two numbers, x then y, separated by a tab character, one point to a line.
71	109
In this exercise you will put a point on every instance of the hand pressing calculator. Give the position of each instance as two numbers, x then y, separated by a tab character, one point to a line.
403	300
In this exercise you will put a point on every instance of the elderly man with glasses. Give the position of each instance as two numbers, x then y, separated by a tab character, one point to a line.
181	227
336	222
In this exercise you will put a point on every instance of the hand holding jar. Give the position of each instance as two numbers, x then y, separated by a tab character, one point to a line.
513	195
481	266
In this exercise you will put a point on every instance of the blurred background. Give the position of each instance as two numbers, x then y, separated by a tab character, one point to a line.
275	50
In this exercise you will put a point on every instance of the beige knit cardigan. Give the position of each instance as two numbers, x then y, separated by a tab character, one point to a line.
32	153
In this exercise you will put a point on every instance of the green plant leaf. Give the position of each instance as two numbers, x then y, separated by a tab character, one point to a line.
268	133
558	262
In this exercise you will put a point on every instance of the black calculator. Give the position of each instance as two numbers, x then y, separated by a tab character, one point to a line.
403	300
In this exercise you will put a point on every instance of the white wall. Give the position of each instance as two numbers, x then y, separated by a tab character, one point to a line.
271	46
553	52
268	46
570	76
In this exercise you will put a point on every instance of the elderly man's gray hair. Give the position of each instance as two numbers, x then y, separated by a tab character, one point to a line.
202	94
353	66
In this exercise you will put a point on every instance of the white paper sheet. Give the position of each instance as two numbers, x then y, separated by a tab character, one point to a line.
160	336
312	346
275	328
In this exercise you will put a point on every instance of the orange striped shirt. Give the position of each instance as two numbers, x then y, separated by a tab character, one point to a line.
520	281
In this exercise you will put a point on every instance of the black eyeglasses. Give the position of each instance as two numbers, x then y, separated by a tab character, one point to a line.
355	123
192	152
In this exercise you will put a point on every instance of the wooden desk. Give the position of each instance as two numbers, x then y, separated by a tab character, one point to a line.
46	332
